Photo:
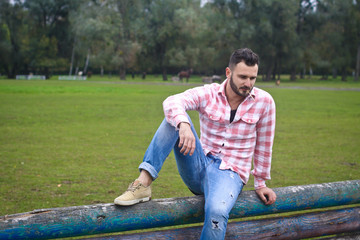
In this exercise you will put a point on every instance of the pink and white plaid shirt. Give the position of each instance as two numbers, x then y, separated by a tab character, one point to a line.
250	135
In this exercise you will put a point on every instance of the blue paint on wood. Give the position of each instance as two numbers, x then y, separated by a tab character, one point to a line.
286	228
106	218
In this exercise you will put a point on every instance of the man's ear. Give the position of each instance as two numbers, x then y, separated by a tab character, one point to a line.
228	73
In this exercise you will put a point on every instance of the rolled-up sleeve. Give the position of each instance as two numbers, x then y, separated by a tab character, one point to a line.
175	106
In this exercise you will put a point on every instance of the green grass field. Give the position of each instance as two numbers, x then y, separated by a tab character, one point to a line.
66	143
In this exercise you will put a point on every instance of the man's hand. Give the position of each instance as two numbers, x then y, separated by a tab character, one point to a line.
187	141
267	195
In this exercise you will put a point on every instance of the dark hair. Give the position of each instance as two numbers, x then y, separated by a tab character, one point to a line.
244	54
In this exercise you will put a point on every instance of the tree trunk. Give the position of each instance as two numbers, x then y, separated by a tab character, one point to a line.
122	73
72	58
357	64
268	76
279	69
47	73
324	77
293	74
334	73
268	73
87	62
275	71
11	75
302	73
343	75
6	68
13	71
164	74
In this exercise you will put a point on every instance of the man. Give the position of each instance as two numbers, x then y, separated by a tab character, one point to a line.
237	122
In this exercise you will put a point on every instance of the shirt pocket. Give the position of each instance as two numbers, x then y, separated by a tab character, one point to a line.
213	122
214	115
250	119
247	127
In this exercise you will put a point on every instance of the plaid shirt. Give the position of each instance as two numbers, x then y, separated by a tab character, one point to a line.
249	136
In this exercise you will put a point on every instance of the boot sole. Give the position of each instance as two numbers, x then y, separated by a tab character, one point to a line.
131	202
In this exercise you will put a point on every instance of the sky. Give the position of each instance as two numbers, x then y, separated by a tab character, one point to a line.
202	3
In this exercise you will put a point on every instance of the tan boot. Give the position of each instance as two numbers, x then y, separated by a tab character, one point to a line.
136	193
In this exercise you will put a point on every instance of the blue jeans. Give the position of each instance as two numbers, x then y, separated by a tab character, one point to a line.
201	174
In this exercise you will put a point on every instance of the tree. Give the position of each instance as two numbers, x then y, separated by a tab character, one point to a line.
126	42
48	24
355	16
102	35
271	32
355	12
167	36
160	32
225	32
12	32
184	53
307	22
91	30
335	37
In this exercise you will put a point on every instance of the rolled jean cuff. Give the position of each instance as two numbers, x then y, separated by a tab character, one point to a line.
150	169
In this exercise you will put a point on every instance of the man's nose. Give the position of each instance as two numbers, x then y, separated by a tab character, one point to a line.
247	82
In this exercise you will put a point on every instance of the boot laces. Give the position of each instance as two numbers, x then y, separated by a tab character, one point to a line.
133	187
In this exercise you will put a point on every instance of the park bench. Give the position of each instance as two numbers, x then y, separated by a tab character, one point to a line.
334	218
72	77
30	77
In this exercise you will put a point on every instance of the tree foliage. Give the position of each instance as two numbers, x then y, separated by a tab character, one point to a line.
296	37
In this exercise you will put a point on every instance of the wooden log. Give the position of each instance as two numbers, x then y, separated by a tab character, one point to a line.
344	236
106	218
282	228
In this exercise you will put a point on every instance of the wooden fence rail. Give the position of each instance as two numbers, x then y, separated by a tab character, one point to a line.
106	218
302	226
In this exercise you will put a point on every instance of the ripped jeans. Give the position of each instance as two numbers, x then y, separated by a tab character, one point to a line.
200	173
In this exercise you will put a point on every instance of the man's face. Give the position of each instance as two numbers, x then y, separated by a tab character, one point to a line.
242	78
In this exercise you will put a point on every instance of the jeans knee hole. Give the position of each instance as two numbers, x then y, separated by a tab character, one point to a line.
215	224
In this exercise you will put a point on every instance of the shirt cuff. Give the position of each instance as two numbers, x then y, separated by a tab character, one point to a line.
259	183
180	119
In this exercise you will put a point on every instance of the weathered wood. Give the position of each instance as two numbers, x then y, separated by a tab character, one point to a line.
282	228
344	236
105	218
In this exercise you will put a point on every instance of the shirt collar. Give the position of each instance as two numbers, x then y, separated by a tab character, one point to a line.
221	90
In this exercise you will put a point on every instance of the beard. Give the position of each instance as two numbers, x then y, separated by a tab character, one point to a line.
245	90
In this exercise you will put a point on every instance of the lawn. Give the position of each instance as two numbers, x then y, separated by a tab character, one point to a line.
66	143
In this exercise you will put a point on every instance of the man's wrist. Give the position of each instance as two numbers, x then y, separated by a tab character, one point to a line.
179	125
